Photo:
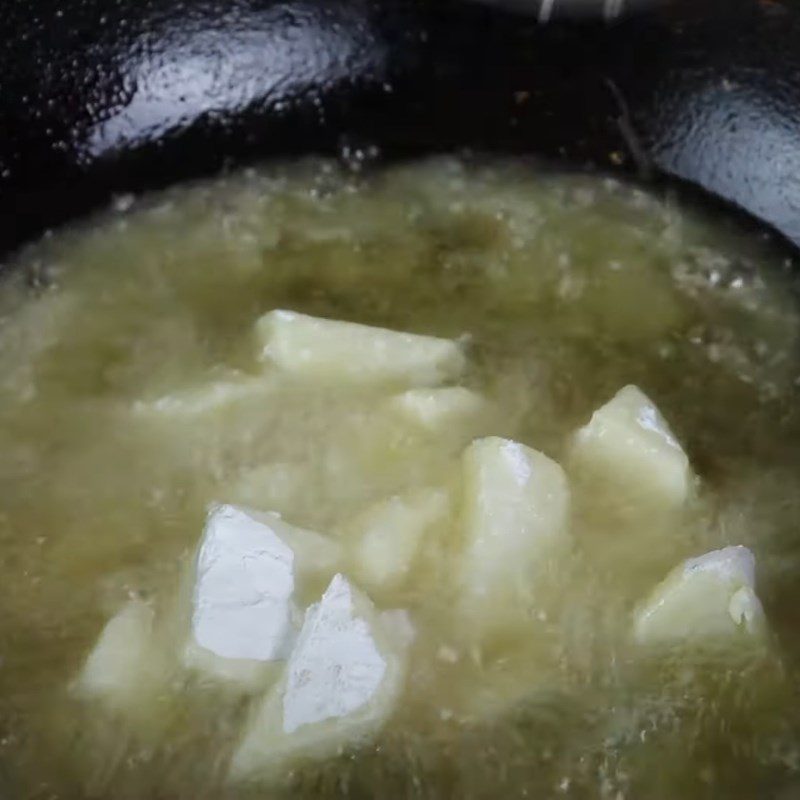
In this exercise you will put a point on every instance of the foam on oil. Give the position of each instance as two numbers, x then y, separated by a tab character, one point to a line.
567	287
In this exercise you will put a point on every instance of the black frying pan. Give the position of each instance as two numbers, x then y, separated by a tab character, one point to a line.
105	96
99	97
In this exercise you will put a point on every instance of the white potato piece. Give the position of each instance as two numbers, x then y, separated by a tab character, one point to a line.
339	687
515	518
281	486
315	555
213	397
389	535
381	455
348	352
243	606
628	451
125	664
239	675
705	598
439	409
245	582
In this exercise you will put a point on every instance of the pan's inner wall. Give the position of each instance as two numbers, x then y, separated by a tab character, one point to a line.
98	98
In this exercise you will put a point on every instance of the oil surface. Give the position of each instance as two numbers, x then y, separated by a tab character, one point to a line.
566	288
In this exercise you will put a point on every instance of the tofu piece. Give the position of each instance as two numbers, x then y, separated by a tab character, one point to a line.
348	352
705	598
515	520
389	536
628	451
341	684
434	410
125	664
243	610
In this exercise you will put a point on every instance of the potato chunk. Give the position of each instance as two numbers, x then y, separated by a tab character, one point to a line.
439	409
346	351
280	486
340	685
124	665
707	597
245	581
243	600
389	535
628	452
515	517
199	402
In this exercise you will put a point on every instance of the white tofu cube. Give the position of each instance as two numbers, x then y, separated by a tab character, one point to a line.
705	598
627	450
441	409
246	577
125	664
389	534
348	352
515	518
341	684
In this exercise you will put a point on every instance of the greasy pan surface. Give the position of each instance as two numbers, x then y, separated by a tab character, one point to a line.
106	96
